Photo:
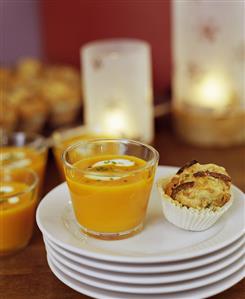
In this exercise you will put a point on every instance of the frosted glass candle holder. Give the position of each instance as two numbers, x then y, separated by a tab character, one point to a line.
117	86
208	77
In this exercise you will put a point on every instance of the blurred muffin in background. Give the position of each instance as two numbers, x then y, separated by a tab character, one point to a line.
29	68
63	73
33	94
8	113
8	116
31	109
5	79
64	101
17	94
33	114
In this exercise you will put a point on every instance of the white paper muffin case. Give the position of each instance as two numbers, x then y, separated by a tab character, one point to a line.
188	218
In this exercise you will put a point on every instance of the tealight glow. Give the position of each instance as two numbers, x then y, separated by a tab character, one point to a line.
116	121
212	92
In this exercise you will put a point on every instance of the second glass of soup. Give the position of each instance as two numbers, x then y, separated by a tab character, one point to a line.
24	150
63	138
18	201
110	182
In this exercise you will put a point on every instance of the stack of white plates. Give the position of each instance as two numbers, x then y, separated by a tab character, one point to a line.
162	261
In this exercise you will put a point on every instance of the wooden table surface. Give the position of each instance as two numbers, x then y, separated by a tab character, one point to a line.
27	275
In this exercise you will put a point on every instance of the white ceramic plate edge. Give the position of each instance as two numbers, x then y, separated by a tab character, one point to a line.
151	289
198	293
145	279
127	268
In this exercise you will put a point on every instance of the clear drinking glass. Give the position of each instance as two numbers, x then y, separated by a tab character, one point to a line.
21	149
18	200
110	181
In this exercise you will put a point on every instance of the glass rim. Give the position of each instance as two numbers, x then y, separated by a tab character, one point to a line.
35	137
149	163
65	133
30	187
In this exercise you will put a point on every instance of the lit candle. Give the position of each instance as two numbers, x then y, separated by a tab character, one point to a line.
117	87
208	72
212	92
116	122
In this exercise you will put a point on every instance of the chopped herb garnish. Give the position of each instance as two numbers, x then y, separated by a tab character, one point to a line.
100	168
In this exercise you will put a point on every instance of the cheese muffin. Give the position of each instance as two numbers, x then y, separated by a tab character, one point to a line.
28	68
196	196
32	114
63	73
8	113
8	116
64	101
33	93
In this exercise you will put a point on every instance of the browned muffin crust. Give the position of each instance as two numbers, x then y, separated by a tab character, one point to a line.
200	186
187	165
216	175
180	187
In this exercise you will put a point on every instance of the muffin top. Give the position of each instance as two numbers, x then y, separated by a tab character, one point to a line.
200	186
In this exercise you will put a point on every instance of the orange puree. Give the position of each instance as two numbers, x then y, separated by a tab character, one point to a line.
17	213
64	143
110	196
19	157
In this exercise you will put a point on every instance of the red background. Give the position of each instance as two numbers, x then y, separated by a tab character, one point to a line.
67	25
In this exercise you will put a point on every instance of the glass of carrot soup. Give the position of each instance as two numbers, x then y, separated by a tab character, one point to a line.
62	138
18	200
24	150
110	181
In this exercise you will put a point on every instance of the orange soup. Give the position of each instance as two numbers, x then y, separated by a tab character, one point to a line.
19	157
110	193
17	213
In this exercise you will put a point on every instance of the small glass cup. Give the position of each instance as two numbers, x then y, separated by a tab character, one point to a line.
110	182
18	200
21	149
63	138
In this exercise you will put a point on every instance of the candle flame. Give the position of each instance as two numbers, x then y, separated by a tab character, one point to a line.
213	92
115	121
